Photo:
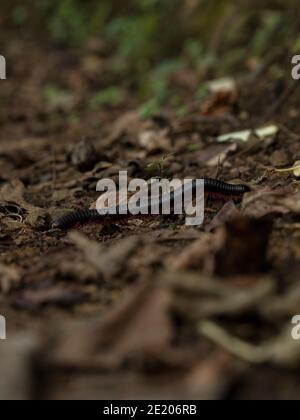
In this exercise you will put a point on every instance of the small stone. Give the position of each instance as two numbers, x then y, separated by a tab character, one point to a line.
84	155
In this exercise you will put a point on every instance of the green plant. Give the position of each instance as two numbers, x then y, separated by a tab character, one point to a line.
159	166
111	96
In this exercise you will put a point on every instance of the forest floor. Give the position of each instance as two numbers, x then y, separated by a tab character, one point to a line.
151	308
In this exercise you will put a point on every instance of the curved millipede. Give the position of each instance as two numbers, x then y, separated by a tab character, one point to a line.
212	187
223	188
79	217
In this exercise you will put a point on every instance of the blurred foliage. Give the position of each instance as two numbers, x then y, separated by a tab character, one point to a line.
111	96
144	31
148	40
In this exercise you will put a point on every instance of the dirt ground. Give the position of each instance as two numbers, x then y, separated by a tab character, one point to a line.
150	308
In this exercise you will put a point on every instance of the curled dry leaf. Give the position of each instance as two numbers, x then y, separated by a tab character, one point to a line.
12	194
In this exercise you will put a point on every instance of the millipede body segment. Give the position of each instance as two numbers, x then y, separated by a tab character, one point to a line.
212	187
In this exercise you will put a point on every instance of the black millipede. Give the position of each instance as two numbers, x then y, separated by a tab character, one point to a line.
223	188
212	187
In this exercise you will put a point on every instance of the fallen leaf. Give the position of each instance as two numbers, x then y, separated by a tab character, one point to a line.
281	351
138	329
108	262
296	170
16	366
57	295
244	135
268	202
155	141
198	255
10	278
219	103
228	212
12	196
223	84
202	297
220	158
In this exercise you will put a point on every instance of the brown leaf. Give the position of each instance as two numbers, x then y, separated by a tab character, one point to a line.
209	379
128	123
56	295
10	278
155	141
16	367
200	254
108	262
228	212
202	297
221	157
139	328
12	195
265	202
282	351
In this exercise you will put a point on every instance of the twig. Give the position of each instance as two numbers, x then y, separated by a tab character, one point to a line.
234	345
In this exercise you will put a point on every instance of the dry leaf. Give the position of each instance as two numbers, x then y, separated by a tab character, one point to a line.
12	194
244	135
223	84
10	278
281	351
201	297
108	262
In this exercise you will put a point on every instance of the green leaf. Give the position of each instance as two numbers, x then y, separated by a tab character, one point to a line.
111	96
149	108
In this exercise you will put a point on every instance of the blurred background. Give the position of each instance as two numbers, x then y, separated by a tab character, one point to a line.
158	50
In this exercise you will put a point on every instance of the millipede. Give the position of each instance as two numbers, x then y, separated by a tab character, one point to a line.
213	188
